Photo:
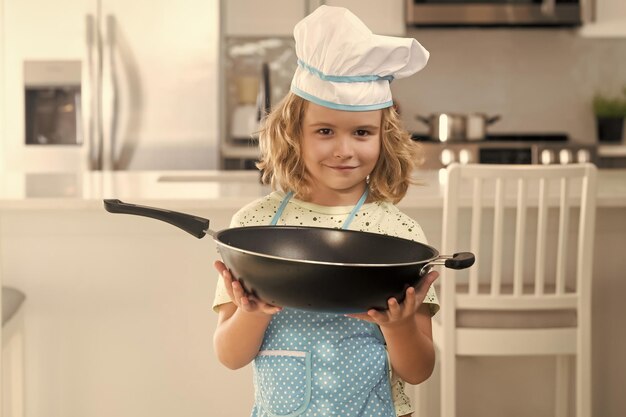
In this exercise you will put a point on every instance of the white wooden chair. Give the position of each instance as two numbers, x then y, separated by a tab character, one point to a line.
531	228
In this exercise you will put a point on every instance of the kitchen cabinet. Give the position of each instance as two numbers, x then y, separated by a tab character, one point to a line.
148	82
278	17
609	19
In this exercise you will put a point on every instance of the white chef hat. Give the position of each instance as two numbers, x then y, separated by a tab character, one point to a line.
343	65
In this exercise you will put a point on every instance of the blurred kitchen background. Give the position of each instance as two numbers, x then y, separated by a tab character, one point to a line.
103	84
155	99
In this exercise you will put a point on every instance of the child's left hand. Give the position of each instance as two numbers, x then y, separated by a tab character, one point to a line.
398	313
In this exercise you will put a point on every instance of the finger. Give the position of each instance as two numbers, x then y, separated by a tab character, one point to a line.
270	309
219	265
394	307
410	299
238	291
246	305
360	316
378	316
425	284
228	282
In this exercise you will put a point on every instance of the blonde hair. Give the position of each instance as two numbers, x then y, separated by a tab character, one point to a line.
282	166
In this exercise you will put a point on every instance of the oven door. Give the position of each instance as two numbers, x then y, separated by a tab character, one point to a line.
495	13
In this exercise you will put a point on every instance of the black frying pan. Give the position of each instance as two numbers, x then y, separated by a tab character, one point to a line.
313	268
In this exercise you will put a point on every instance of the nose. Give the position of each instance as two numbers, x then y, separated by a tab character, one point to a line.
343	147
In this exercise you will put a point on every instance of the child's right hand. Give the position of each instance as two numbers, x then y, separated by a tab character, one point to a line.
244	301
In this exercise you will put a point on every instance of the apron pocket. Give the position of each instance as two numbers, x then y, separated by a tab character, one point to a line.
282	380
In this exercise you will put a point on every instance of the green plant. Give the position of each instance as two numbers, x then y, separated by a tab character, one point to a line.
604	106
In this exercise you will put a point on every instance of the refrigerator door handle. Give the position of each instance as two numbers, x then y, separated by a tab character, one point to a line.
109	97
89	96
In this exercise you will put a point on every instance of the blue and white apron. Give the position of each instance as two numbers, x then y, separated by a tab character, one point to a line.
321	364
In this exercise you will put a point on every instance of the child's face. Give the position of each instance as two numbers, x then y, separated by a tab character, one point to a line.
339	150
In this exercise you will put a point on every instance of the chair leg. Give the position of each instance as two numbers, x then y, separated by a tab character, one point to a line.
583	383
562	385
448	383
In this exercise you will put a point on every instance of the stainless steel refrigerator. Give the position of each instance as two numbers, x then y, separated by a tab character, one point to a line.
145	95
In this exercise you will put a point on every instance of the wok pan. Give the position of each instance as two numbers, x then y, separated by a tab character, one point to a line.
313	268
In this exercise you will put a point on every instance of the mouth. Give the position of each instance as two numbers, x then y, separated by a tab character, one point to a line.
342	167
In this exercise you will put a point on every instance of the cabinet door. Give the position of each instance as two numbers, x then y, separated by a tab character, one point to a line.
383	17
263	18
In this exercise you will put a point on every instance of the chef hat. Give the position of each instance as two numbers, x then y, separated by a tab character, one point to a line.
343	65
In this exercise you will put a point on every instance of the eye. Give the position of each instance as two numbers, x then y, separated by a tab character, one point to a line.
325	131
362	132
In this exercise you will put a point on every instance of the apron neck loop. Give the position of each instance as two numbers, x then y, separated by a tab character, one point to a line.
346	223
281	208
355	209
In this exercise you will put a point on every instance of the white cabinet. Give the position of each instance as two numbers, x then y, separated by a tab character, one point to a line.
278	17
609	19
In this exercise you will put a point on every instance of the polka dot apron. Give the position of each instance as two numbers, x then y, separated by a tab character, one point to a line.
314	364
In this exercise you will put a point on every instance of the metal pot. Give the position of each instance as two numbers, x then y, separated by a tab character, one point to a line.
313	268
476	127
449	127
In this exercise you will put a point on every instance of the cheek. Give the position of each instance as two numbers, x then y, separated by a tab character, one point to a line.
372	152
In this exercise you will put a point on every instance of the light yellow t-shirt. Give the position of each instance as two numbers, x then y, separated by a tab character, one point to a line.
376	217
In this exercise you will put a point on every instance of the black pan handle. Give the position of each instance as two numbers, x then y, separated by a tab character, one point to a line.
460	260
194	225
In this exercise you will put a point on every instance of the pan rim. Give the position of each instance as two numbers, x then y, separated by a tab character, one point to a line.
305	261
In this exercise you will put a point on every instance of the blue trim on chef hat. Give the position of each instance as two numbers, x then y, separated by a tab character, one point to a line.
336	106
344	78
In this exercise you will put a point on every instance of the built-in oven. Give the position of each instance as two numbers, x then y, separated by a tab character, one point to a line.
496	13
507	149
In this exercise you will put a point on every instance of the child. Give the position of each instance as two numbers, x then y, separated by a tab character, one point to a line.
336	157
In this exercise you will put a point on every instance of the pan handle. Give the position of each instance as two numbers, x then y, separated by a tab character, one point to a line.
460	260
197	226
423	119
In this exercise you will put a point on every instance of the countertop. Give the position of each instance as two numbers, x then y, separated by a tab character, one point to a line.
206	189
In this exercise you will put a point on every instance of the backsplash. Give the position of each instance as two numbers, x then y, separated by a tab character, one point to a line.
244	58
538	80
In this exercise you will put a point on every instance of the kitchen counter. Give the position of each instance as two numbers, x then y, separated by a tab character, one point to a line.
122	304
206	189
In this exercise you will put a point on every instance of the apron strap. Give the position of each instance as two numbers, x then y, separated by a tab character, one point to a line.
281	208
355	209
346	223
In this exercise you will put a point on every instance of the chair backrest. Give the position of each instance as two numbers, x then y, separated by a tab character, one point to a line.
531	228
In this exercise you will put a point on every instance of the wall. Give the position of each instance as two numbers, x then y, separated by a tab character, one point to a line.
538	80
